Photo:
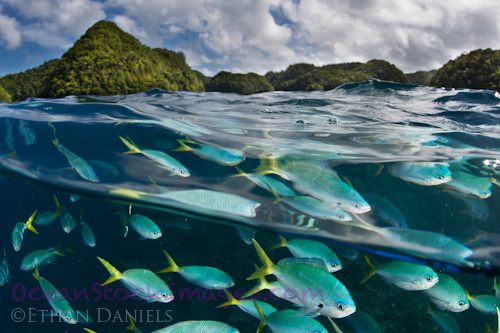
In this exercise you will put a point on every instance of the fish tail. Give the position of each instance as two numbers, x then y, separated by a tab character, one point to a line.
268	267
495	285
130	145
230	300
29	223
469	297
89	330
273	192
241	173
267	165
380	167
261	285
69	248
130	327
57	206
371	272
183	145
172	265
57	250
282	243
262	316
36	274
115	274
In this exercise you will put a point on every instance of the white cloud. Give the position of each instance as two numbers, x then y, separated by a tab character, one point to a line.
245	36
56	23
9	31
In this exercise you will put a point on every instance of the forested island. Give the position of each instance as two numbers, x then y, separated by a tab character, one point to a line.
108	61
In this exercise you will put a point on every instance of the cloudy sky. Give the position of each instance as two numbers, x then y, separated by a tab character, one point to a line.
258	35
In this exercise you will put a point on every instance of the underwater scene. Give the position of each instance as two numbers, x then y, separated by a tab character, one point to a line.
372	207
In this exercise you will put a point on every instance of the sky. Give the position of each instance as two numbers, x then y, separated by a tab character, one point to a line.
258	36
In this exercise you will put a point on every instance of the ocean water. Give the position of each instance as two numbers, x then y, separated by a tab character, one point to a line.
376	136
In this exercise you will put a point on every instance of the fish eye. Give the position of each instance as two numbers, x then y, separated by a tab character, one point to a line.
334	264
340	306
68	318
461	303
440	177
320	305
356	205
164	295
429	278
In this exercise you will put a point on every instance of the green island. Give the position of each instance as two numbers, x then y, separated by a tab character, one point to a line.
108	61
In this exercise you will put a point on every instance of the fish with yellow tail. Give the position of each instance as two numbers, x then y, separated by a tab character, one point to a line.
203	276
444	320
143	283
315	288
162	159
274	287
248	306
306	248
38	258
486	304
405	275
79	164
4	270
316	179
288	321
223	156
18	232
202	326
58	303
48	216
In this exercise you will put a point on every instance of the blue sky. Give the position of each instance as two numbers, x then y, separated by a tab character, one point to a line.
258	35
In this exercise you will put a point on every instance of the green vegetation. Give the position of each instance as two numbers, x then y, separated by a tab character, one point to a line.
244	84
31	83
421	78
4	96
479	69
105	61
310	77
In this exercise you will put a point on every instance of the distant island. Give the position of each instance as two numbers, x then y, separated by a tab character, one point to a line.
108	61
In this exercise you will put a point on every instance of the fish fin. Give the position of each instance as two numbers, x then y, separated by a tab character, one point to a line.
372	270
133	149
36	274
335	327
495	285
261	285
183	145
89	330
172	265
241	173
55	141
81	213
69	248
57	250
230	300
469	297
282	243
262	316
380	167
115	274
130	327
498	319
268	267
56	213
346	180
29	225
